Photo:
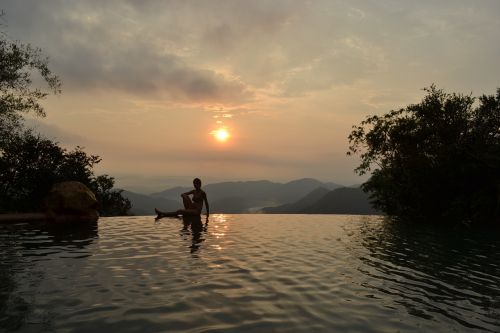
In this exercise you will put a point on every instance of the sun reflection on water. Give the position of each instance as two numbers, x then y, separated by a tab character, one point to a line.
219	230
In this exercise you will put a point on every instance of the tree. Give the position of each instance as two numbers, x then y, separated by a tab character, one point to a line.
435	160
18	64
29	163
112	202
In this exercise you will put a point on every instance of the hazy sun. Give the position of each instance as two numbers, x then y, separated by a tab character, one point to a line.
221	134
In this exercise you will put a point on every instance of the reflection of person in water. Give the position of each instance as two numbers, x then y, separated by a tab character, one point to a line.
192	225
192	206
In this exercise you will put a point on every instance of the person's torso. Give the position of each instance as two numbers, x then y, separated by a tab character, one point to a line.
198	197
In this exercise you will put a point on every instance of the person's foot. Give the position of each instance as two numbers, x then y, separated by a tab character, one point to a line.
159	214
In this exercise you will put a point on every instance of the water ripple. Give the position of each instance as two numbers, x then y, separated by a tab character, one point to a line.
247	273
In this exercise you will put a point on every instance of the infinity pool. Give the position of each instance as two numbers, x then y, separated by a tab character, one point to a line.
249	273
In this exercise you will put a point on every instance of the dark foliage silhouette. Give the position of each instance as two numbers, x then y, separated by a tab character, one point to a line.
438	159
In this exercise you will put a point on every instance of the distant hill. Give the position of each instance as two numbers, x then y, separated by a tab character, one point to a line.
171	193
240	197
234	205
144	204
298	206
297	189
343	200
231	197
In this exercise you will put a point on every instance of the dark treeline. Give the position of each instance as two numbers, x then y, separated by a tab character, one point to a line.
438	160
30	163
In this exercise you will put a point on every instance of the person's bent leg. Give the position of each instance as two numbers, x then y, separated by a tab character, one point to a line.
165	214
190	212
186	200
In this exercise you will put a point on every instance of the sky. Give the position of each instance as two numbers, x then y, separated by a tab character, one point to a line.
147	84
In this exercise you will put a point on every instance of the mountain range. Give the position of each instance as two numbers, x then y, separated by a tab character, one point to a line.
305	195
345	200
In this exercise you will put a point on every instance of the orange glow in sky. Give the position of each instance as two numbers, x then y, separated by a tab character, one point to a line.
221	135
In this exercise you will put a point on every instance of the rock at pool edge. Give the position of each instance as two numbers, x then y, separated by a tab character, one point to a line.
71	201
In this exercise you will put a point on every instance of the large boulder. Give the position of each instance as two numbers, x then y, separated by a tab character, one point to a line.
68	200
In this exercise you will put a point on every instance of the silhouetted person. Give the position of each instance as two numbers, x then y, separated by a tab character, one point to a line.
192	206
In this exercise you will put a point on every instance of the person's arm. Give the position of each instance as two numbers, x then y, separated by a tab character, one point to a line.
187	193
206	204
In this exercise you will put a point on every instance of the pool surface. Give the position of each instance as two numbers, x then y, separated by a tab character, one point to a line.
249	273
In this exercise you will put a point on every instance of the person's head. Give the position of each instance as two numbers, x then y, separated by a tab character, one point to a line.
197	183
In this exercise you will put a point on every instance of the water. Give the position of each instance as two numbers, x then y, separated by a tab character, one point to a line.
248	273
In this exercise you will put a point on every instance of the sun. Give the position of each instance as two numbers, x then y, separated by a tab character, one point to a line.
222	135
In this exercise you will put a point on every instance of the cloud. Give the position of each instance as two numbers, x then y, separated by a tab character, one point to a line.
55	133
225	50
349	60
140	69
95	46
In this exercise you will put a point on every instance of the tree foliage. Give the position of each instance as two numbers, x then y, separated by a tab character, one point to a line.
29	163
18	62
32	164
439	158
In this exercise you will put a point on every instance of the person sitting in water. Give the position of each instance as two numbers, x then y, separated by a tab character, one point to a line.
192	207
